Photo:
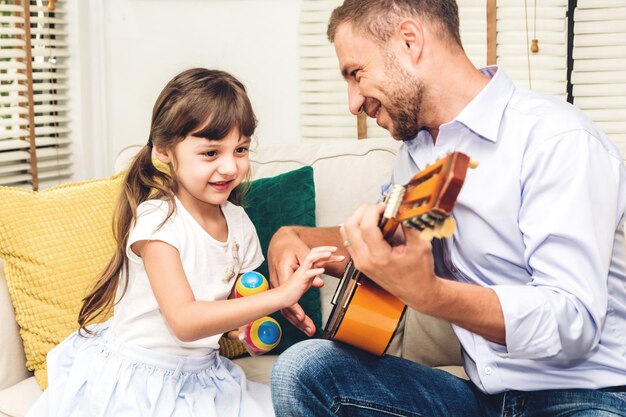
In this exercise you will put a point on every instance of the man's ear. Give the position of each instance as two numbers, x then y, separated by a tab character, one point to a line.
163	155
411	33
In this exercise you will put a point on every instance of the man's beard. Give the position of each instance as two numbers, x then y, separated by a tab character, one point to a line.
405	101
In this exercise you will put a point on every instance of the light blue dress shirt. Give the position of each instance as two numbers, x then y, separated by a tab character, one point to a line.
540	221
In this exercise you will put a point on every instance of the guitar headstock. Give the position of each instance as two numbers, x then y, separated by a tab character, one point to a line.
425	203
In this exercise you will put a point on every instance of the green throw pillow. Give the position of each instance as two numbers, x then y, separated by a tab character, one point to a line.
286	199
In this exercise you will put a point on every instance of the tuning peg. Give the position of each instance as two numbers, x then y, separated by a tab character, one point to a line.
413	223
428	220
472	163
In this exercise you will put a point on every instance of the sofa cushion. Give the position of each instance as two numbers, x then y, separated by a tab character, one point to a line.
347	173
17	400
54	243
12	358
285	199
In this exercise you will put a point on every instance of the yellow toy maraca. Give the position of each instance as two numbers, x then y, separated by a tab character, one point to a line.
262	335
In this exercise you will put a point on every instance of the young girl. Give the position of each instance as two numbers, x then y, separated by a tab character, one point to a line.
181	243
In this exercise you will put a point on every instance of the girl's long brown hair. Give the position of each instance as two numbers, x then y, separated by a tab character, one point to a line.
205	103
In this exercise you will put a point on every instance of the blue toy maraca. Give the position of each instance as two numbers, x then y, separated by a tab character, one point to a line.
262	335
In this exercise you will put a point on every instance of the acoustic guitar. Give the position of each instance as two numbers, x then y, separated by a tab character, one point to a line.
366	316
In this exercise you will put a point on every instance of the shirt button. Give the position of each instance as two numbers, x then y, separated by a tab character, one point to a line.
488	370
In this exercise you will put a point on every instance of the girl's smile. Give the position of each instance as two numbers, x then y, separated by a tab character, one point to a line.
208	170
221	186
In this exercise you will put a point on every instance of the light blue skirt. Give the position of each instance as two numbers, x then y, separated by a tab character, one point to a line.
97	377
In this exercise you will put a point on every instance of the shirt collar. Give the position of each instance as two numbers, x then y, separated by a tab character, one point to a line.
484	113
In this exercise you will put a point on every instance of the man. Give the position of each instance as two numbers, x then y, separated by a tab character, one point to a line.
534	277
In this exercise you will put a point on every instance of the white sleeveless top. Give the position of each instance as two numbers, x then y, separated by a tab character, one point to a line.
211	267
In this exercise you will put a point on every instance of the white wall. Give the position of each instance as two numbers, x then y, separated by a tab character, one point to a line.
128	49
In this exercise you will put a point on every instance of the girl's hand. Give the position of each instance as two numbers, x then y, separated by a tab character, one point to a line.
287	250
308	274
240	335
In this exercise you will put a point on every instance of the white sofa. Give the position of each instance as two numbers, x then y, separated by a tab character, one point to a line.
347	174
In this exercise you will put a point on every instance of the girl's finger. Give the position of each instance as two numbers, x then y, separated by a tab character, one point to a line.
322	250
316	255
317	282
333	258
311	273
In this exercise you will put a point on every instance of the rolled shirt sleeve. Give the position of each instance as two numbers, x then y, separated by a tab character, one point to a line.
559	313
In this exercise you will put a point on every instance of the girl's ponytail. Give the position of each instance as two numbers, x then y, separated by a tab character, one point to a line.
142	181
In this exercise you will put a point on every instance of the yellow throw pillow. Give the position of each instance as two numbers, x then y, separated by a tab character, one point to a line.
54	244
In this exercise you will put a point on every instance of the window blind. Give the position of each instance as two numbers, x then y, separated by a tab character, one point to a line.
520	21
34	122
324	102
473	28
323	92
599	73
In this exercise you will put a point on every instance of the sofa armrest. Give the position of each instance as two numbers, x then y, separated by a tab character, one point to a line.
12	359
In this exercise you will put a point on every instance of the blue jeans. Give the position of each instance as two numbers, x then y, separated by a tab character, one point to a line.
320	378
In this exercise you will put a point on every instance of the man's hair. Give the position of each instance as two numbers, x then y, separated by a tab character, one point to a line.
379	18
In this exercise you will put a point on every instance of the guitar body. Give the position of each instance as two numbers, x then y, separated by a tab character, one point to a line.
370	317
366	316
